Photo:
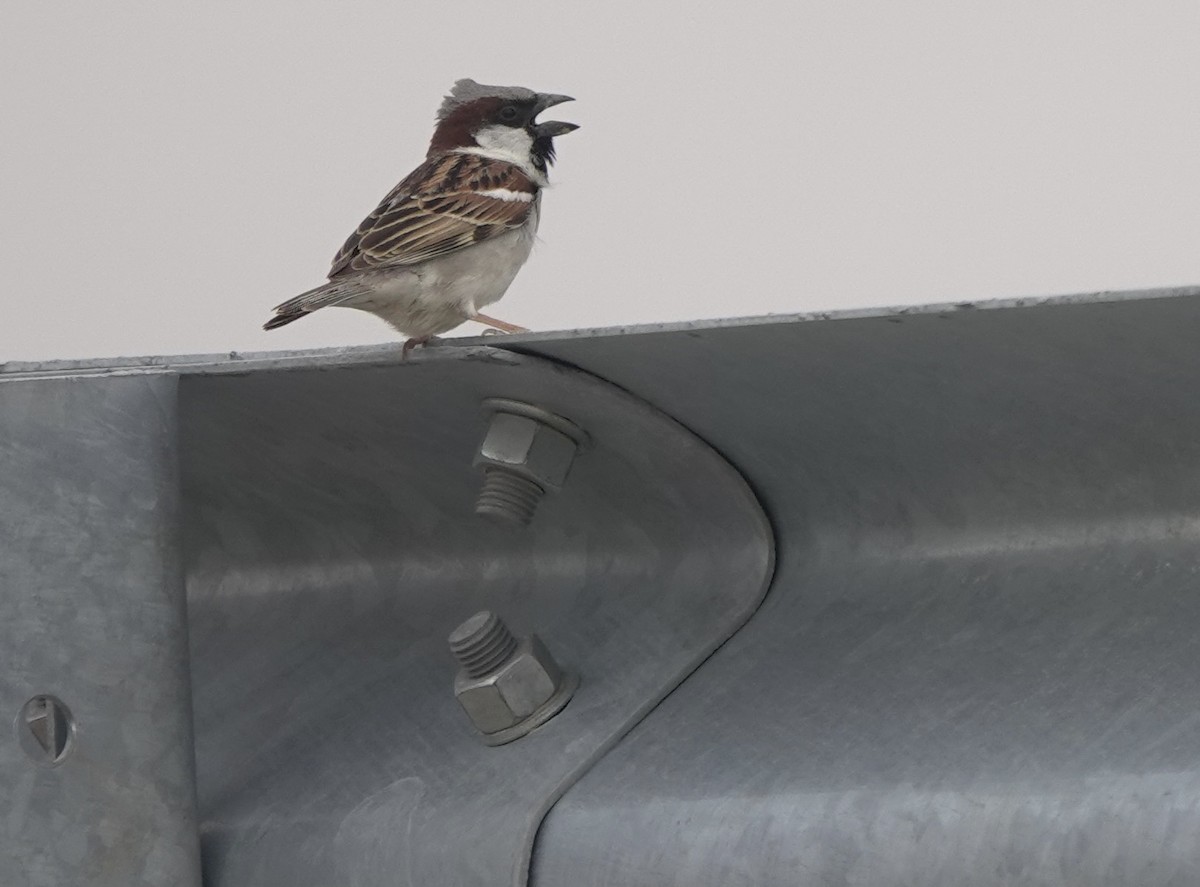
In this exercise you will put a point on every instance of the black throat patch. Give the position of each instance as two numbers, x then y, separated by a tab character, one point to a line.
542	153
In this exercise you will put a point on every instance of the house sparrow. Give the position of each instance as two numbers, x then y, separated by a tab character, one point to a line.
449	239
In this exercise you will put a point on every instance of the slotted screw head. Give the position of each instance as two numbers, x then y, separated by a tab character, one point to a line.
46	730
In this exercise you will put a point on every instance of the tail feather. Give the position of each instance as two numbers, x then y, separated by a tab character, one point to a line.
283	319
333	293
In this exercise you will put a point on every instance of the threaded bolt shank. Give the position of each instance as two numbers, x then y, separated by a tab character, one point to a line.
482	644
507	496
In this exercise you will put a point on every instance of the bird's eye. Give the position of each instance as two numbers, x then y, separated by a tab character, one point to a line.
509	113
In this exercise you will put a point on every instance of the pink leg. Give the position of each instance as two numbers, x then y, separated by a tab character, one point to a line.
499	324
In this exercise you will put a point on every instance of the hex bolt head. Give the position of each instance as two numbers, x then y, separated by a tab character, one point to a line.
508	686
46	730
526	452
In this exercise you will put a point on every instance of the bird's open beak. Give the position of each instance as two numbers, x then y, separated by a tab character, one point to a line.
548	100
552	128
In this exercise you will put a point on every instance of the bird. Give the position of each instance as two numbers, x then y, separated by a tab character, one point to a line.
449	239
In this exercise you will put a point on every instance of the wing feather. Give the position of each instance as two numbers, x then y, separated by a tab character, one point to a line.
447	203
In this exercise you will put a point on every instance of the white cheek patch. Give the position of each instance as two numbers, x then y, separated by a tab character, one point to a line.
511	140
511	144
507	196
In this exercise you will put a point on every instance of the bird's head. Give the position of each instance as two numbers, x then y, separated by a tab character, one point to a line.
499	121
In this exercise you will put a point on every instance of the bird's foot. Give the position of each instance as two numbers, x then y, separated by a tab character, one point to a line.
501	325
412	343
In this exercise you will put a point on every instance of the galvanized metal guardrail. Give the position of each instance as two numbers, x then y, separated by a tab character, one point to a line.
976	663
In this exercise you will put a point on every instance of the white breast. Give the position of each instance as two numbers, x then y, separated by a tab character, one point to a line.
435	296
479	275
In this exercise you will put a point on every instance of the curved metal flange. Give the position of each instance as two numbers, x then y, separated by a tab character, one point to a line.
331	546
977	663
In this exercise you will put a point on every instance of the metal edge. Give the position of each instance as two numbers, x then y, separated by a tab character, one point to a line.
390	352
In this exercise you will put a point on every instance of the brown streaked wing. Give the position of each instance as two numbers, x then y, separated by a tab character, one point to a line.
394	198
437	209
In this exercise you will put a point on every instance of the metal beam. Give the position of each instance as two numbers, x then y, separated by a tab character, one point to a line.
96	766
977	662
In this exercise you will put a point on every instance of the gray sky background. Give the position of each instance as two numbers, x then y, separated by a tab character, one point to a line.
170	171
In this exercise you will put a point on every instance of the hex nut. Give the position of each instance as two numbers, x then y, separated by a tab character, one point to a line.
526	452
528	448
524	692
